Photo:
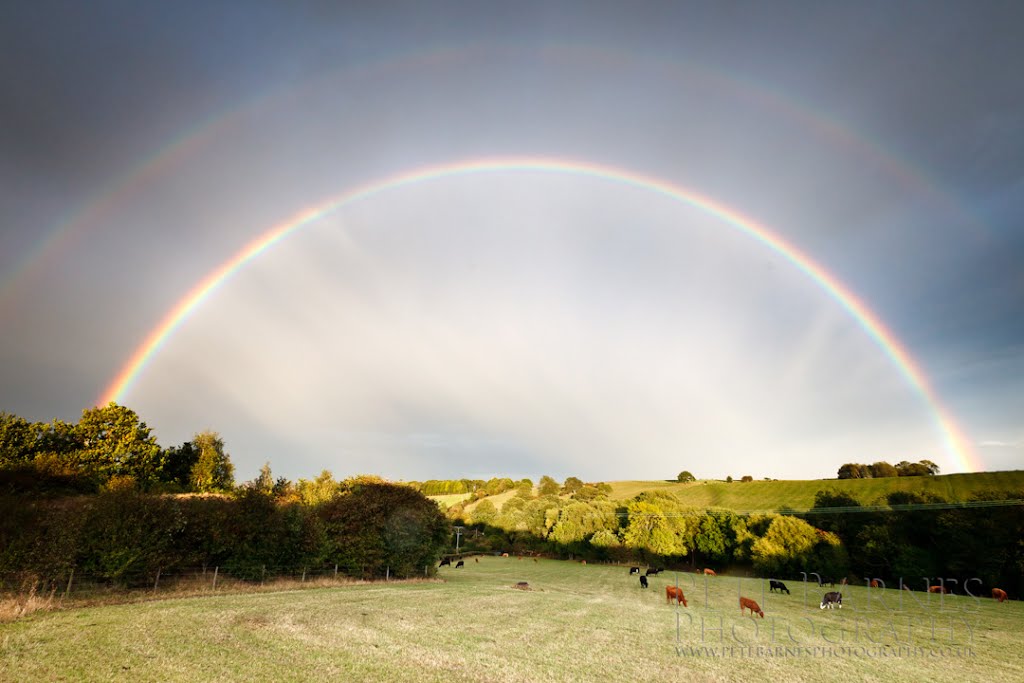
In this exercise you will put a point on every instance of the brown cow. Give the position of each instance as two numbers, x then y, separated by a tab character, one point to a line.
998	594
504	554
874	583
747	603
937	589
709	572
583	562
672	592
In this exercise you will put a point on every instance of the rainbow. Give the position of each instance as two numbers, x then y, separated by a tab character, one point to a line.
190	140
956	443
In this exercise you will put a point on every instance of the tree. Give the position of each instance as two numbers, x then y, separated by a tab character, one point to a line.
882	469
264	483
849	471
114	441
524	489
385	528
932	467
572	485
728	480
484	512
17	440
213	470
548	486
685	477
319	491
747	477
178	463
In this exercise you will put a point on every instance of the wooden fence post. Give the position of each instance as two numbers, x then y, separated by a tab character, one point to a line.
303	575
215	570
71	576
157	581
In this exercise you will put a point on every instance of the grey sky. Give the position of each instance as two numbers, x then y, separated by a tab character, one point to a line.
520	323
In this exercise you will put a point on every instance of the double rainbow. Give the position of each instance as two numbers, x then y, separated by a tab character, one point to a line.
957	445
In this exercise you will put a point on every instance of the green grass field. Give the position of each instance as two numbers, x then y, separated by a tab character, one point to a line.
579	623
799	495
450	499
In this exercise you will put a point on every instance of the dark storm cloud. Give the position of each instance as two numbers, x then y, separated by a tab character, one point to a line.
894	155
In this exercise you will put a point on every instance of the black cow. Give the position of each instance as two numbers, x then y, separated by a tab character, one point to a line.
831	582
643	581
634	570
832	599
446	562
777	585
460	563
651	571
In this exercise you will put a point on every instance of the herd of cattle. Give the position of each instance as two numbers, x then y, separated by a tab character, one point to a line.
828	601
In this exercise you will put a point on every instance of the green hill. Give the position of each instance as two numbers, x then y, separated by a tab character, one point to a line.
799	494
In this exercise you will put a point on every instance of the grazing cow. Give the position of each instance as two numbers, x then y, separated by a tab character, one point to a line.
875	584
446	562
831	582
843	582
673	593
709	572
504	554
460	563
998	594
651	571
938	589
747	603
634	570
535	559
777	585
643	582
832	599
583	562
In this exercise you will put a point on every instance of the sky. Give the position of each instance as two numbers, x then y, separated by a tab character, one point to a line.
731	238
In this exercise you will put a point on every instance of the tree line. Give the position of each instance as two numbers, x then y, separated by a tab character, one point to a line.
653	527
902	535
366	527
924	535
109	447
883	469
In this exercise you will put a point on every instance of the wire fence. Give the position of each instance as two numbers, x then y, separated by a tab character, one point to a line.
75	586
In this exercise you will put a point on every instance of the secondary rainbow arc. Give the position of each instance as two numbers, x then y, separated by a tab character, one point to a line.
955	441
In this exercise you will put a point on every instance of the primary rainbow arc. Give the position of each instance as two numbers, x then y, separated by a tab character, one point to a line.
957	445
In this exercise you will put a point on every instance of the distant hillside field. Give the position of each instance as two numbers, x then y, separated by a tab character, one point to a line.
799	495
450	499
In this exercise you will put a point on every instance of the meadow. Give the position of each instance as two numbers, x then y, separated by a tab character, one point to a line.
799	494
578	622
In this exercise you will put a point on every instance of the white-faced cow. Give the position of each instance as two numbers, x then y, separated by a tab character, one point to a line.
634	570
831	600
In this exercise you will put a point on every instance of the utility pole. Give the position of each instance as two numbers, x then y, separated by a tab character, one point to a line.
458	534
